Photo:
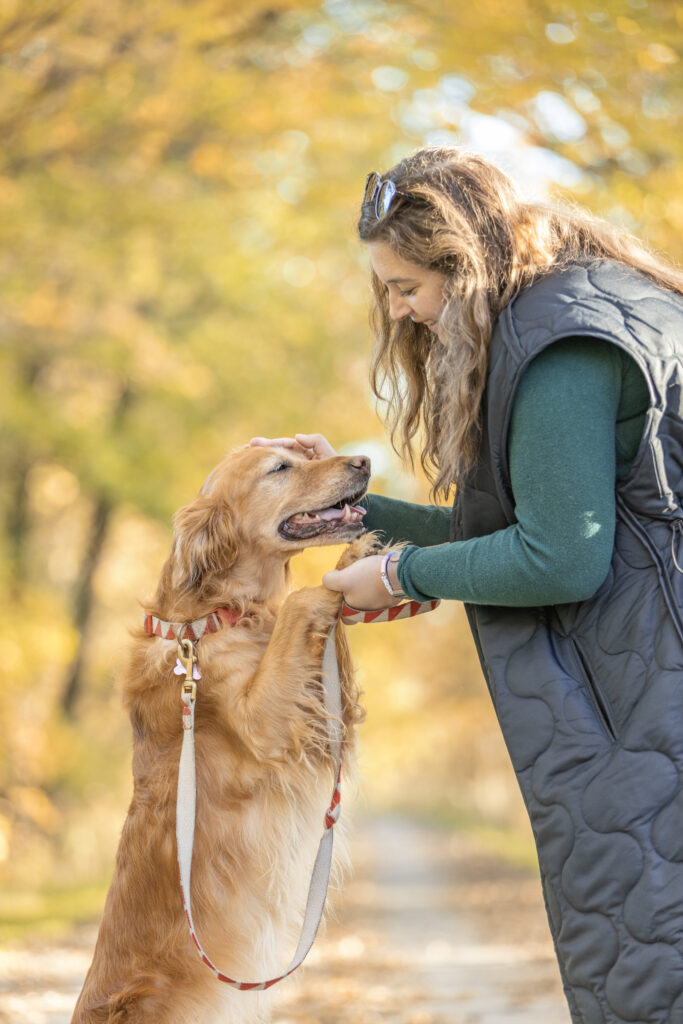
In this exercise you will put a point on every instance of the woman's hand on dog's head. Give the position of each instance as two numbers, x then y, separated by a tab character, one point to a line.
313	446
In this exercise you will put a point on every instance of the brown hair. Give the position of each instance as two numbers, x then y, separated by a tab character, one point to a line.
462	216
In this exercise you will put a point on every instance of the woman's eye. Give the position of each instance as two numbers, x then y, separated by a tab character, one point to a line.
403	295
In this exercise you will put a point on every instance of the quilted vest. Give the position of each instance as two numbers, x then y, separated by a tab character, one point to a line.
590	695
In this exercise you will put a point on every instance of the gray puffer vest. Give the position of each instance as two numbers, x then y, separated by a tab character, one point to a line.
590	695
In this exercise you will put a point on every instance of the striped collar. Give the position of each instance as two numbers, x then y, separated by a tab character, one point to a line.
195	630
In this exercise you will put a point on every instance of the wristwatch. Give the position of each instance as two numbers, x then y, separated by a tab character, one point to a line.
390	557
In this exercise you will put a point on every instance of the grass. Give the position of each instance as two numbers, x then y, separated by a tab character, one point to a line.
515	846
48	912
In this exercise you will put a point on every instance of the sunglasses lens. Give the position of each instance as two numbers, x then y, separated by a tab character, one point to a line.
379	193
371	185
385	197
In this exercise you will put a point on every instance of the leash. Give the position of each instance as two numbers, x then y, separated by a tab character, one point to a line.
187	783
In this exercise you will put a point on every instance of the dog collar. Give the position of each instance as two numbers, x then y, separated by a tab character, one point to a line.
194	630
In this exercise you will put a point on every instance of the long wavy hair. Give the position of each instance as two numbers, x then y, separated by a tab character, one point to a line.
462	216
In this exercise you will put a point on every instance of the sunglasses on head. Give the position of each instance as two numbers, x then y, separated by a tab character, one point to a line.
378	194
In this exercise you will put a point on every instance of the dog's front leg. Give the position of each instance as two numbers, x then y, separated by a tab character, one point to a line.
280	707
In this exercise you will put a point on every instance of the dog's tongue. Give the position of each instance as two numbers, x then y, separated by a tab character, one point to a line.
342	513
350	513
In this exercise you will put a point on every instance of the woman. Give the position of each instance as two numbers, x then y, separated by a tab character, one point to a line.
539	354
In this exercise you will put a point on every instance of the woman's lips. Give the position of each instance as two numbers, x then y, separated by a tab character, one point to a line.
431	324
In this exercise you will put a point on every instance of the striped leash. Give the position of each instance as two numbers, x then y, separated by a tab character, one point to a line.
187	785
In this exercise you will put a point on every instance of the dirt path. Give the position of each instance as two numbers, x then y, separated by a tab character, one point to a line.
431	930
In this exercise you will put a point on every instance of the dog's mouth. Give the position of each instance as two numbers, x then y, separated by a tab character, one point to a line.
343	517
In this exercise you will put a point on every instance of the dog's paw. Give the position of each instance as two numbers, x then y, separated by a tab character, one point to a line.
316	604
361	547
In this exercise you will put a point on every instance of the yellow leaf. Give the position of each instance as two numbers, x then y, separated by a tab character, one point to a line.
34	804
40	307
648	62
627	26
208	160
10	191
661	53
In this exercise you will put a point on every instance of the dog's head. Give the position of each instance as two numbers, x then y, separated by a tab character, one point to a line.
265	502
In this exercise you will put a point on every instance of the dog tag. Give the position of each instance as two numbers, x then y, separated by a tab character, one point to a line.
179	670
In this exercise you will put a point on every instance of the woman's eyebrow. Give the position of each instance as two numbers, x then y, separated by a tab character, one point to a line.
399	280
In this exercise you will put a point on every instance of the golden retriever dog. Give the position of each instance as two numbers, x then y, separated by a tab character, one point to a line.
264	772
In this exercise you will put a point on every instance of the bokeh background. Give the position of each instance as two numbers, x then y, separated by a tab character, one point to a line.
179	185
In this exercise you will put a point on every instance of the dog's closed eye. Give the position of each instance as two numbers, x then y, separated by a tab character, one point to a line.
280	467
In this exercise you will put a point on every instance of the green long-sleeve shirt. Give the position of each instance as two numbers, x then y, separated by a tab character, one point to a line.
577	420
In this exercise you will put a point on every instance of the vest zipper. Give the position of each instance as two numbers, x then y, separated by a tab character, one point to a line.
597	699
641	533
676	530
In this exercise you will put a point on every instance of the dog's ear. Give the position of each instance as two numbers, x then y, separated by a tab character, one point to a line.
205	542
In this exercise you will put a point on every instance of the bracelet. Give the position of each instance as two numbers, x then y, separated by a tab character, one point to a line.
385	578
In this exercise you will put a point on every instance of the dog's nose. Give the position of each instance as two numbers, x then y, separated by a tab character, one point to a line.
361	462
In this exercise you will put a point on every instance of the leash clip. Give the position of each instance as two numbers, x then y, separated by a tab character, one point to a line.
187	654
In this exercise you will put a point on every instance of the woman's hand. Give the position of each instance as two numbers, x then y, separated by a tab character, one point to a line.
313	446
361	584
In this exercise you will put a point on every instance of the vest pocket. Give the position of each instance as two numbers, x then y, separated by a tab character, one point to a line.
664	571
600	703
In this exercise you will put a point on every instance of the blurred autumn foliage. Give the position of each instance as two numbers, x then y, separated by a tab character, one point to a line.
179	184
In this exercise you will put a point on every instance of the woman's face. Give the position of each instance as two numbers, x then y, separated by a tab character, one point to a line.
413	291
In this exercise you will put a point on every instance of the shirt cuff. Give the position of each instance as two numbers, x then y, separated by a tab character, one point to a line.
404	574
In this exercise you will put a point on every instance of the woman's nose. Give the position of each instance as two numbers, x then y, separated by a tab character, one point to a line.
398	308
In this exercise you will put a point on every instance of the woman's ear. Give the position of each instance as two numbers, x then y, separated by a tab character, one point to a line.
205	542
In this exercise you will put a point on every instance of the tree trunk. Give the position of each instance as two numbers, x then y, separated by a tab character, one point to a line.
84	602
17	523
17	527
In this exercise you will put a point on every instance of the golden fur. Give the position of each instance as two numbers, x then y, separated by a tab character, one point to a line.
264	775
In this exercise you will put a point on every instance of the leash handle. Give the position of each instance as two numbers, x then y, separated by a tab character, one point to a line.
406	610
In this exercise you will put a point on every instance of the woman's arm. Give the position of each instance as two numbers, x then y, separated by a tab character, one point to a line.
406	521
563	472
